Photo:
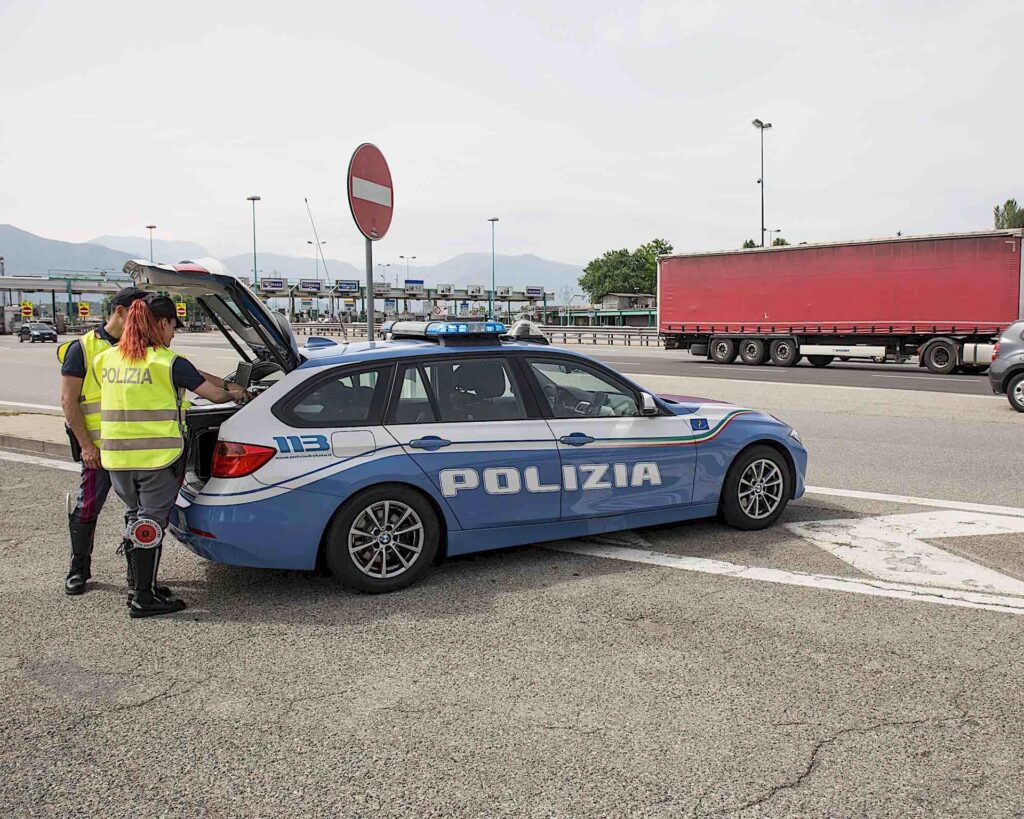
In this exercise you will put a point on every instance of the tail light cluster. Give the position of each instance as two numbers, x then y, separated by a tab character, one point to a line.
995	351
231	460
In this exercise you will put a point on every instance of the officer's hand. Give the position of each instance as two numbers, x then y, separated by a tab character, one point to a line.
91	456
236	392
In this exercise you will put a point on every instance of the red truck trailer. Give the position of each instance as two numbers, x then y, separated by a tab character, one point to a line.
944	298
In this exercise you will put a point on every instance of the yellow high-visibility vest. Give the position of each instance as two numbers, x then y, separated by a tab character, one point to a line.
89	396
141	411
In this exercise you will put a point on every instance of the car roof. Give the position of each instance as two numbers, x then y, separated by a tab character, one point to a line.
377	351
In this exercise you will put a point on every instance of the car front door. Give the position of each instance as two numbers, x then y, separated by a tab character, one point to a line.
614	460
475	432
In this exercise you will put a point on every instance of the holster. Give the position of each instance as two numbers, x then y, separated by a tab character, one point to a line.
76	448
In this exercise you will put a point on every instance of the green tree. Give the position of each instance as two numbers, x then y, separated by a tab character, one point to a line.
749	244
1010	215
624	271
779	242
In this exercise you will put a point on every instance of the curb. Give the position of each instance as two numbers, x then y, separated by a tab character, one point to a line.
28	445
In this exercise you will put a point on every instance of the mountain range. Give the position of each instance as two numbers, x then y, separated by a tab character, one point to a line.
28	254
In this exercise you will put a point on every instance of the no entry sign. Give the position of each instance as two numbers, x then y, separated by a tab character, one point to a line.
370	192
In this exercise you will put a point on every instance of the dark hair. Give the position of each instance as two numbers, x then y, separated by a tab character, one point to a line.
127	296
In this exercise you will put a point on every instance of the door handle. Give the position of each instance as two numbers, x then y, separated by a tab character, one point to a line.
576	439
429	443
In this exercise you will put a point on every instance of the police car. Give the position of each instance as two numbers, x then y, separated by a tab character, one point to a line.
374	459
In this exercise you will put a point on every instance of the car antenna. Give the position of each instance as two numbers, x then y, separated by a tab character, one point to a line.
319	249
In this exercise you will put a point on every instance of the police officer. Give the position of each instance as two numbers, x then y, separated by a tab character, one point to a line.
80	400
142	385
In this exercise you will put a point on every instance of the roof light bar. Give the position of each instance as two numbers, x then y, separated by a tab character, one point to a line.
445	329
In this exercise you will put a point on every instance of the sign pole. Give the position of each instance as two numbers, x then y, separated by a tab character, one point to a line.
370	300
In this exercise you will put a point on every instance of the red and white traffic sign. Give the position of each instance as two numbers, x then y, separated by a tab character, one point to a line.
370	192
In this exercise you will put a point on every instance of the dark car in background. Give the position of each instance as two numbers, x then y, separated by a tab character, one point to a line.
1006	375
37	331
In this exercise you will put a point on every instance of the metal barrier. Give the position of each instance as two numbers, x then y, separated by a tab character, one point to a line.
557	334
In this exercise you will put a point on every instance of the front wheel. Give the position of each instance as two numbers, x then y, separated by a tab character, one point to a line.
384	539
820	360
757	488
1015	392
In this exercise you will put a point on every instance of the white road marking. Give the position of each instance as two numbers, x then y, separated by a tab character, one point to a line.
915	501
35	460
891	548
30	406
875	588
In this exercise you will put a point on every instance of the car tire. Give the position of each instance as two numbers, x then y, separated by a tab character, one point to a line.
820	360
723	351
753	351
1015	392
784	352
940	358
372	567
756	489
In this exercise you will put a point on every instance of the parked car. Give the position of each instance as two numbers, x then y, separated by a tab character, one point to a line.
37	331
1006	375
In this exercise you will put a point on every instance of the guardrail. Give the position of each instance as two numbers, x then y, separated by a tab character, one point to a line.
557	334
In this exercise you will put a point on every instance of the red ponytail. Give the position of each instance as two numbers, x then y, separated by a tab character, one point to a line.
141	330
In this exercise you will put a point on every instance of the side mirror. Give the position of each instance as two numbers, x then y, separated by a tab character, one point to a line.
648	406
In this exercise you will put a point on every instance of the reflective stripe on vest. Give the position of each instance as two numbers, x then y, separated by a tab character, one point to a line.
141	415
89	397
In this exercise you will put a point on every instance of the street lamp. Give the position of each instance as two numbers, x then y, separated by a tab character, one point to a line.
151	228
254	200
490	300
770	232
762	127
405	303
316	267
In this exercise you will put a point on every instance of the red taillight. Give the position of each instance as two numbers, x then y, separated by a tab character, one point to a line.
232	460
995	351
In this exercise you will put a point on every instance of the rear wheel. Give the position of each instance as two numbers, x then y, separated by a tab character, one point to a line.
784	352
753	351
757	488
820	360
723	351
940	358
1015	392
384	539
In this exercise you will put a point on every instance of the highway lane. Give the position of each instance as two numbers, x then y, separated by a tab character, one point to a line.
30	371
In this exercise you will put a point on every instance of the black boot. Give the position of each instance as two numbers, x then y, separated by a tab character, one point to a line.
162	591
146	602
81	557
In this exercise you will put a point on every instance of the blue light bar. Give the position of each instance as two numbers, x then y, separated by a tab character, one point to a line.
465	328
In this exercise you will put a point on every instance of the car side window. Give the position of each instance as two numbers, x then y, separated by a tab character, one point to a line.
472	389
414	404
573	390
344	400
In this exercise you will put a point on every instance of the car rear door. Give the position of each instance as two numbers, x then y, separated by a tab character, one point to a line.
469	424
615	461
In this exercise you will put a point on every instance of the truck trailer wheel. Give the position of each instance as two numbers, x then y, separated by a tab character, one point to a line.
820	360
784	353
723	351
753	351
940	358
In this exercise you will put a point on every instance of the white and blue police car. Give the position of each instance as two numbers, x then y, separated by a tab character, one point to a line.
374	459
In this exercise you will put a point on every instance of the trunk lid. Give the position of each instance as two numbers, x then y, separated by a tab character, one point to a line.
229	302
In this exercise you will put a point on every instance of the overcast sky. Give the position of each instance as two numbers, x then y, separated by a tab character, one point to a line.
582	125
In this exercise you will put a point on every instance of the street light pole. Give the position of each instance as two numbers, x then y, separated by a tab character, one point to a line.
490	301
151	228
762	127
770	232
254	200
405	302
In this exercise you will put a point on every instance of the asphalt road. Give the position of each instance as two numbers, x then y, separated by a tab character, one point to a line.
676	671
30	370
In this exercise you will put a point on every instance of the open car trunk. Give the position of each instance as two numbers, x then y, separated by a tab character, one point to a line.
261	337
